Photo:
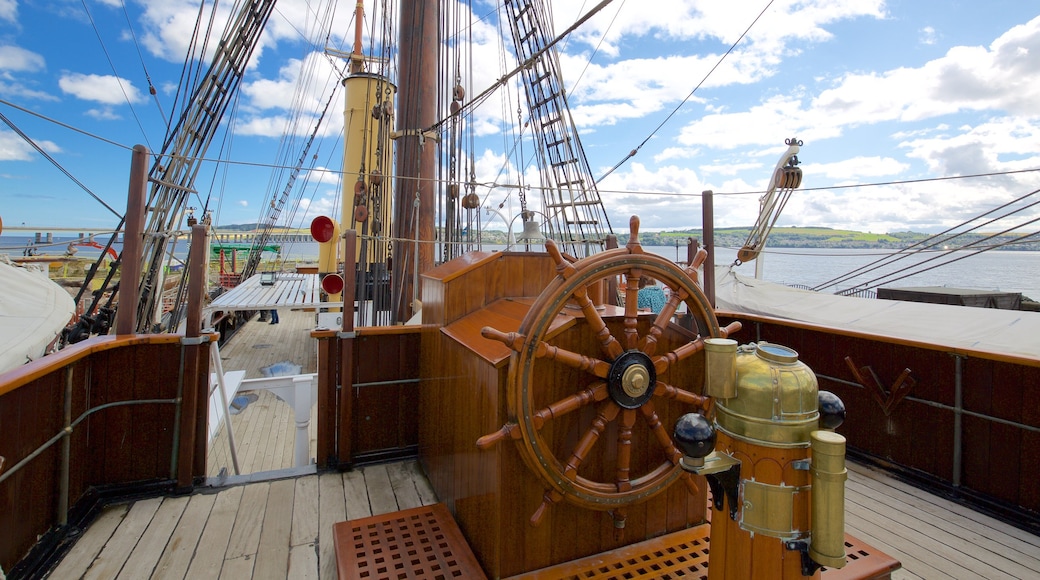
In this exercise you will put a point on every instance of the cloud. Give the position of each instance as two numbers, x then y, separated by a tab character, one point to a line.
103	114
104	89
243	203
14	58
9	10
14	148
19	90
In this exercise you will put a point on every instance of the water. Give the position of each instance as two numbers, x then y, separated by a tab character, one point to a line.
1005	271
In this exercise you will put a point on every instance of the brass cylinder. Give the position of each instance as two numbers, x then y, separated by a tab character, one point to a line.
828	499
720	368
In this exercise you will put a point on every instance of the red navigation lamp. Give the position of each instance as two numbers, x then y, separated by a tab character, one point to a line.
323	229
332	284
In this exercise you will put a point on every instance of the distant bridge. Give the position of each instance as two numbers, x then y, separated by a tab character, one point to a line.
46	235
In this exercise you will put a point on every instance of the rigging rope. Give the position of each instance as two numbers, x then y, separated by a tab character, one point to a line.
119	80
56	164
140	56
930	242
633	152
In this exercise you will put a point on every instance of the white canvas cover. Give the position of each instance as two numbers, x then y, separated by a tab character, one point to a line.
1007	332
33	310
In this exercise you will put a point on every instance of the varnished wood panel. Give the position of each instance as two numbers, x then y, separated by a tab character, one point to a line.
112	446
463	396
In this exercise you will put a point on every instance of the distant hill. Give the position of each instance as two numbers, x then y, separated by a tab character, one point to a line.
780	237
807	237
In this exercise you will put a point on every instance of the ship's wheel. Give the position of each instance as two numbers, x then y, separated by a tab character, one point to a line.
616	385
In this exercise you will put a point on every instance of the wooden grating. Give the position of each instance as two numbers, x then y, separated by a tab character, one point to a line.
425	542
422	542
682	554
862	561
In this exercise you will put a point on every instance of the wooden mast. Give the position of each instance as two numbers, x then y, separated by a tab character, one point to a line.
416	152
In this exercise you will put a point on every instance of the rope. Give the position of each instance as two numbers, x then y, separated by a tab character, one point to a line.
56	164
718	63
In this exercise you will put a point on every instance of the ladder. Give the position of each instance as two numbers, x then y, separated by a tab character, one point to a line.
572	206
172	177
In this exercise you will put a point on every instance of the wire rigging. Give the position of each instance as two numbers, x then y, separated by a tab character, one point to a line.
56	164
668	118
119	80
930	242
137	45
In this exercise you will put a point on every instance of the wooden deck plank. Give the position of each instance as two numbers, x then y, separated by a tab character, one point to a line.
935	521
176	558
272	557
292	523
901	574
149	548
422	484
403	483
245	536
380	491
305	512
90	544
303	562
111	559
331	509
953	515
209	557
356	493
236	568
929	544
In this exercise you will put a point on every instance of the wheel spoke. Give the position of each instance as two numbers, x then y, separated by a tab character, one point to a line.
649	344
624	451
607	413
574	360
665	440
632	307
607	342
683	396
593	393
661	363
691	484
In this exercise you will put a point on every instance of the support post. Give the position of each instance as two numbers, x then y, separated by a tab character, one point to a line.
708	221
189	445
130	266
346	352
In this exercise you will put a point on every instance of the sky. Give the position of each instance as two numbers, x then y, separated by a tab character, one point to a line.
889	99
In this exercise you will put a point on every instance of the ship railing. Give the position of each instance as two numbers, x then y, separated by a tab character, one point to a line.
90	423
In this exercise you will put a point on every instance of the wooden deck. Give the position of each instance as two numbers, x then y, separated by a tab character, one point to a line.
258	345
265	429
283	529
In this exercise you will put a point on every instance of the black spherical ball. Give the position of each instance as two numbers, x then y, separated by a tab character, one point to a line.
694	435
832	410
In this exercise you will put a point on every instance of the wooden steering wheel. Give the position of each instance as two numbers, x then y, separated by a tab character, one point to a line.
611	389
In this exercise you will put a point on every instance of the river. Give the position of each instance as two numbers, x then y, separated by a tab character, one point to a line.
1005	271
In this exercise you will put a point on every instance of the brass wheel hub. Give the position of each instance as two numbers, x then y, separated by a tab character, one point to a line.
632	379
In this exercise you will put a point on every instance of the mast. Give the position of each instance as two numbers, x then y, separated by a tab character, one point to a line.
416	151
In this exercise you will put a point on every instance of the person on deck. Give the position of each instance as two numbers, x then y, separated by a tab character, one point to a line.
650	295
274	316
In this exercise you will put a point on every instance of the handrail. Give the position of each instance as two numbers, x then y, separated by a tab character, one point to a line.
959	351
31	371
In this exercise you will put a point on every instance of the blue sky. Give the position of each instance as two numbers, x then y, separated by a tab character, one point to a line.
878	91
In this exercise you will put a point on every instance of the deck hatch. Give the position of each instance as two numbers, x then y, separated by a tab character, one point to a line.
422	542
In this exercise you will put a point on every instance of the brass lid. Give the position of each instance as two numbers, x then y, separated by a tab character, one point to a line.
776	353
777	397
720	344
